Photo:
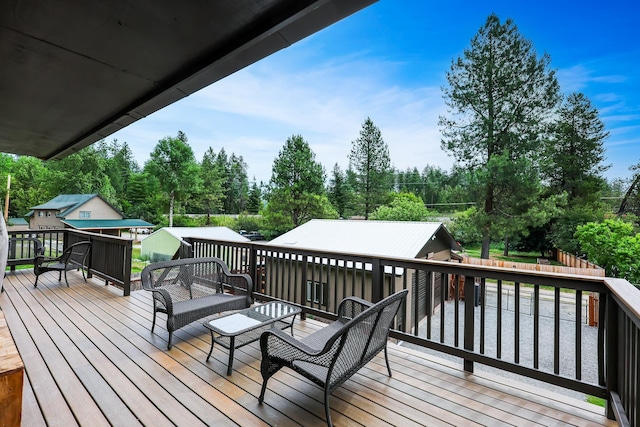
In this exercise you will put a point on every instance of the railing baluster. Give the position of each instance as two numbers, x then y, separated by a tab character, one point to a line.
483	290
556	332
499	321
536	326
578	343
456	313
516	350
443	283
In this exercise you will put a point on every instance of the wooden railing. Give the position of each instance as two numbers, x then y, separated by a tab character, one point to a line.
110	256
546	341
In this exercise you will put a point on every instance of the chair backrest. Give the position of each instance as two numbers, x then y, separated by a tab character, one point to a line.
364	336
25	247
76	253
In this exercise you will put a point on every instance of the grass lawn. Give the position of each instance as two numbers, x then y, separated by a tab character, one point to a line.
514	256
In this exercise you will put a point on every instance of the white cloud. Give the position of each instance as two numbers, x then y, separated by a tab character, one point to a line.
254	111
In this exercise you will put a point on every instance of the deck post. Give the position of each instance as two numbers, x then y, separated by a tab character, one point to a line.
469	319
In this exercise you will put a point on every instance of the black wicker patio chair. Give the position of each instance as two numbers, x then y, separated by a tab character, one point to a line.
73	257
331	355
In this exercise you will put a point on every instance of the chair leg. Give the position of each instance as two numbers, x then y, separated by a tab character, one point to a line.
169	343
65	278
153	324
60	276
327	410
35	285
264	388
386	359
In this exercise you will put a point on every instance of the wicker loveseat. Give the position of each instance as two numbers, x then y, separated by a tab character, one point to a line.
189	289
331	355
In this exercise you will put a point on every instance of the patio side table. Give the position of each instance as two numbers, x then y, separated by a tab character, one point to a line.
245	326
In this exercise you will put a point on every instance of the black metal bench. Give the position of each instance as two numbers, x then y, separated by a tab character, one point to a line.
190	289
331	355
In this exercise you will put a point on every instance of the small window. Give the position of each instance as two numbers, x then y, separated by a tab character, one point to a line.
48	213
40	214
85	214
317	292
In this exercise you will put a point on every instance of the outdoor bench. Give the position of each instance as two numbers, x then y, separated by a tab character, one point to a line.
331	355
190	289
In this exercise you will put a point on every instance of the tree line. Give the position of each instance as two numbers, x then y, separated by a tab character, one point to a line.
528	166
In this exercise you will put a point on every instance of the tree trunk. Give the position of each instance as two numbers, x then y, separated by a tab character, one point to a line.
171	198
506	247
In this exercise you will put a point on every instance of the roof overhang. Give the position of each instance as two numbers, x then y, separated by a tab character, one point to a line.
72	73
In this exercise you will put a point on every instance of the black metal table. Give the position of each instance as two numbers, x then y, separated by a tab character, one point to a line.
245	326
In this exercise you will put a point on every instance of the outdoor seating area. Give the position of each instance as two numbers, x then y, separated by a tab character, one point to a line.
90	359
187	290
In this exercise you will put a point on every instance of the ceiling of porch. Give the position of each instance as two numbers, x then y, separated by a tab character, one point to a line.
73	73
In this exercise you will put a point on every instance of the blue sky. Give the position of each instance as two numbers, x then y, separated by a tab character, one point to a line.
388	62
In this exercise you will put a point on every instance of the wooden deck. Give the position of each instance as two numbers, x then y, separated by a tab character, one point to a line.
91	360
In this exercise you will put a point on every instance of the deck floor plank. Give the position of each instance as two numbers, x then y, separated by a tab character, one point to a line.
90	358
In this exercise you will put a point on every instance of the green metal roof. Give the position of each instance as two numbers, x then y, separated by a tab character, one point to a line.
66	203
85	224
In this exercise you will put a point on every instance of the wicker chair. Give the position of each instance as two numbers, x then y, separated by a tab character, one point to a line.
189	289
331	355
73	257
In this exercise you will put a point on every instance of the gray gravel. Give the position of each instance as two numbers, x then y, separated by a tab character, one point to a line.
567	335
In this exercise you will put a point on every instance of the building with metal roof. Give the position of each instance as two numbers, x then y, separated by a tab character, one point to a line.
405	239
88	212
362	239
163	243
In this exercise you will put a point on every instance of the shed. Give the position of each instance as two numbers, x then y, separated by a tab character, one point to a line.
402	239
165	242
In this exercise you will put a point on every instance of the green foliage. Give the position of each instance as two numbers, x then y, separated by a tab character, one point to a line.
254	204
403	207
211	194
575	154
371	165
614	246
173	164
466	227
297	187
500	95
249	222
340	193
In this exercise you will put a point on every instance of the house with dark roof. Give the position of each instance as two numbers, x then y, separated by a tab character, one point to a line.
87	212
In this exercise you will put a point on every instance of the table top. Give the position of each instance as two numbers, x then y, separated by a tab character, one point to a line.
251	318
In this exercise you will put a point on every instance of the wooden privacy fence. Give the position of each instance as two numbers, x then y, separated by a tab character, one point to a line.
593	270
573	261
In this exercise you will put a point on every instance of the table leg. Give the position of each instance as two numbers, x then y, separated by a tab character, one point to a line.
293	320
232	345
212	342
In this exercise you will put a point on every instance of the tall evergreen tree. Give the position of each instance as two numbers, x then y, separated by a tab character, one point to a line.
172	162
500	95
254	203
296	186
576	151
339	192
212	176
371	163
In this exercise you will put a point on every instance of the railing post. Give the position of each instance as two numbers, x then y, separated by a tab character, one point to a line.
469	319
303	281
611	352
377	293
126	279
